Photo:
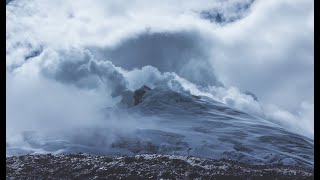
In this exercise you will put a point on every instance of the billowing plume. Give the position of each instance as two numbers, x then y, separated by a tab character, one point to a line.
57	52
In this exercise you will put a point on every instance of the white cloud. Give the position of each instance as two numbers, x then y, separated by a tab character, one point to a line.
268	52
303	122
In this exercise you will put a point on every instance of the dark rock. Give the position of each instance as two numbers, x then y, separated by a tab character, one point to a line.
129	160
130	99
148	166
138	94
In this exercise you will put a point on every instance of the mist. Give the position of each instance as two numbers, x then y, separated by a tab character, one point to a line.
68	61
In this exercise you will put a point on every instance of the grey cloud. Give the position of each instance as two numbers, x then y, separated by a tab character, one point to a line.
182	52
110	76
8	1
34	53
80	69
267	49
233	12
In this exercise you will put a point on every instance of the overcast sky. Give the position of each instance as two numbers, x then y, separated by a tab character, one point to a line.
262	46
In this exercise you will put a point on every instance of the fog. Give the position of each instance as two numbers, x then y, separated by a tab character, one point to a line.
69	60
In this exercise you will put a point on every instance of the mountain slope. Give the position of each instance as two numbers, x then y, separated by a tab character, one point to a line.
162	121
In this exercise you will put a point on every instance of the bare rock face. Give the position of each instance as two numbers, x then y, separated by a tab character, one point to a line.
127	100
138	94
130	99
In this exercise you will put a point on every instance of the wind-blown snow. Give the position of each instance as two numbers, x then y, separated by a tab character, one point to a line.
69	61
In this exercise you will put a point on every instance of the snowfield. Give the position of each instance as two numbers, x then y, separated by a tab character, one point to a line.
176	123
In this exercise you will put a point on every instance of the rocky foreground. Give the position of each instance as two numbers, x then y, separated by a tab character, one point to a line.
83	166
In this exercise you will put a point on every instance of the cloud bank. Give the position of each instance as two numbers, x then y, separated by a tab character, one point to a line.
70	52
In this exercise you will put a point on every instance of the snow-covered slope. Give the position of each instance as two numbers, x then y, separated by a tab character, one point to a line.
178	123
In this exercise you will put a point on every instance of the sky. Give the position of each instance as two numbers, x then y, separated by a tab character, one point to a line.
71	52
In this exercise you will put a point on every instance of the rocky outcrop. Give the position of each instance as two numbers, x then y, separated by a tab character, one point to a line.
138	94
82	166
130	99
